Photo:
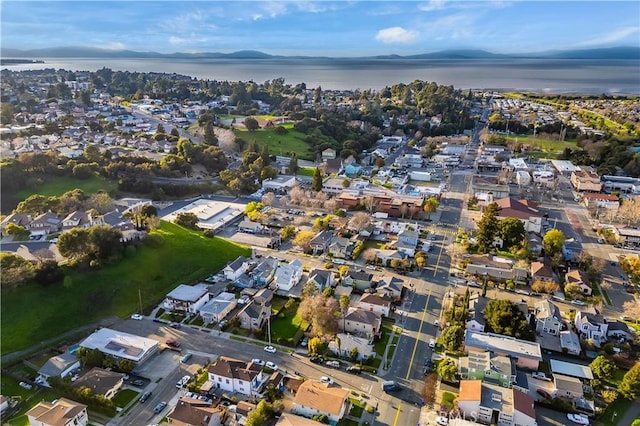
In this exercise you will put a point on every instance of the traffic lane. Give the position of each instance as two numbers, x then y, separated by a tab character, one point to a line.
164	390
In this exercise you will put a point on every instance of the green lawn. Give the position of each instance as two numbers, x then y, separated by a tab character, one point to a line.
124	396
59	185
306	171
381	344
32	313
447	399
547	145
614	412
283	145
288	327
10	387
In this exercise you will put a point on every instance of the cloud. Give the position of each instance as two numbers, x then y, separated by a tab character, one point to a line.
186	40
432	5
612	37
396	35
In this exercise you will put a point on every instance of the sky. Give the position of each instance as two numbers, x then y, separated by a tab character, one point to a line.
321	28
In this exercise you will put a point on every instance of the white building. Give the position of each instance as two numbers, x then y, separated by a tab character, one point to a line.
121	345
289	275
62	411
279	183
187	298
216	309
232	375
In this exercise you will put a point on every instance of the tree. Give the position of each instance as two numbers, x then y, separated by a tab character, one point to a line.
15	269
631	308
452	337
630	386
18	232
360	221
261	415
321	311
74	244
602	367
447	369
49	272
268	172
345	302
160	129
553	241
548	287
316	183
430	206
511	231
288	231
251	124
303	239
504	317
187	220
631	266
315	346
293	164
487	227
210	137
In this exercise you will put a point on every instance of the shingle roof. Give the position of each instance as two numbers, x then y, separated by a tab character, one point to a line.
523	403
321	396
234	368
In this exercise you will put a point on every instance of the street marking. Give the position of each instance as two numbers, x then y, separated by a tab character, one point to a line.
435	267
395	421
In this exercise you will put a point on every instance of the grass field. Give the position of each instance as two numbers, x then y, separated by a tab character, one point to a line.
282	145
547	145
124	396
33	313
59	185
288	325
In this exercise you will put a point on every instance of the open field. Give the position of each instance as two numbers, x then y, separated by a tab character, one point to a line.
287	325
33	313
547	145
59	185
284	145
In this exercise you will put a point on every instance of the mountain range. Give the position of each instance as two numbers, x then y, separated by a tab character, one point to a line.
621	52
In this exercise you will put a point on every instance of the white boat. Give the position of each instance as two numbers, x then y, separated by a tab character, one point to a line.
580	419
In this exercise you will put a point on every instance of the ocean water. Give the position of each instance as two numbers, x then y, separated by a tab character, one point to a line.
536	75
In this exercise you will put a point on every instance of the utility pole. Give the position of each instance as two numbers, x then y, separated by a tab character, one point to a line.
140	300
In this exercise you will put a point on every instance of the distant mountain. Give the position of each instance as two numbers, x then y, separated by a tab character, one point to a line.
623	52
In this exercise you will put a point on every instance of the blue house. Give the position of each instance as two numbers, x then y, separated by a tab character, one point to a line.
353	170
265	271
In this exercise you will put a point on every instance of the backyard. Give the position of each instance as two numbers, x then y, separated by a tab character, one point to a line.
33	313
287	328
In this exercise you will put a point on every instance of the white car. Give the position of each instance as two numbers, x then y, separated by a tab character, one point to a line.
270	349
271	365
442	421
136	317
578	302
326	379
580	419
257	361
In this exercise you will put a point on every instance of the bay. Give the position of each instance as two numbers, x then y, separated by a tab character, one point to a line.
562	76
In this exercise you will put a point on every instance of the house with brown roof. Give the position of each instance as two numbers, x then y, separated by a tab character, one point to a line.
77	219
233	375
62	412
45	224
528	212
19	219
578	277
603	201
541	272
196	412
361	322
495	268
492	404
315	398
101	382
374	303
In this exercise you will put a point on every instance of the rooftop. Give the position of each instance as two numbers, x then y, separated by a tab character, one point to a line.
120	344
188	293
321	396
571	369
503	345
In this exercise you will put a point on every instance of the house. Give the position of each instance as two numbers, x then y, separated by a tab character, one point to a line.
77	219
390	287
341	247
236	268
485	366
61	412
187	298
328	154
315	398
101	382
288	275
196	412
619	330
4	404
361	322
491	404
475	320
57	366
579	278
320	243
353	170
586	180
627	236
218	307
265	271
357	278
345	343
591	326
409	237
496	268
568	387
582	372
253	315
525	210
541	272
289	419
263	296
121	345
386	256
527	354
250	227
116	220
548	318
232	375
601	201
321	278
570	342
45	224
279	183
374	303
19	219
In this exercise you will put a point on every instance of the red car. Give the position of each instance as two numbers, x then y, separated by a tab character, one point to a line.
173	343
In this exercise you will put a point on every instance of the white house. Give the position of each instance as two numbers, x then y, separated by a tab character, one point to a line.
374	303
236	268
492	404
62	411
250	227
315	398
232	375
548	318
361	322
57	366
279	183
218	307
187	298
524	210
288	275
344	343
591	326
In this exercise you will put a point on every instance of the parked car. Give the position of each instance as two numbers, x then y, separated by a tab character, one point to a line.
138	383
326	379
390	386
270	349
271	365
258	361
578	302
432	343
304	342
145	396
316	360
136	317
334	364
173	343
161	406
580	419
354	369
175	325
540	376
543	393
186	358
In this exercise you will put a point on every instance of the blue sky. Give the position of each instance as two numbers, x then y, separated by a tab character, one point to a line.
334	28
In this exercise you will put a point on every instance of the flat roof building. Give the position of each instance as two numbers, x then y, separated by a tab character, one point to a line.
119	344
527	354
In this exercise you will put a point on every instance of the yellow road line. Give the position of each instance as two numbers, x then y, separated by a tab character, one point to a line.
415	348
